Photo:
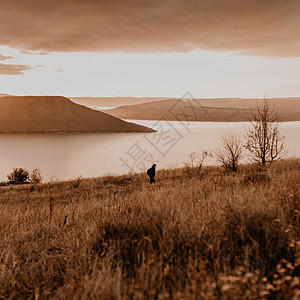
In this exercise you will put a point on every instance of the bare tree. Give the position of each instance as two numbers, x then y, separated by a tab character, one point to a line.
265	143
231	152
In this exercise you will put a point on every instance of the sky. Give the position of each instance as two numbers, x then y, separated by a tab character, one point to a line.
211	48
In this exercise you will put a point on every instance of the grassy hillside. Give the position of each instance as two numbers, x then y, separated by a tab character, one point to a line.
210	236
210	110
57	114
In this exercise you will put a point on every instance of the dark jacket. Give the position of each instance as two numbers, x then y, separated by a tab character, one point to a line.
151	172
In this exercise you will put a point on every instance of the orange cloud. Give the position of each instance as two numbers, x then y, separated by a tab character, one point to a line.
257	27
6	69
3	57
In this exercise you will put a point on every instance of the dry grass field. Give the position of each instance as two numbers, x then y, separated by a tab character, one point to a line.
217	235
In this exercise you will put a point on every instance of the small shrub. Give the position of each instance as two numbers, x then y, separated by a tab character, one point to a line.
231	152
194	166
19	175
36	176
77	182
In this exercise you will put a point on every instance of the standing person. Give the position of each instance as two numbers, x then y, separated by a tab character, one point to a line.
151	173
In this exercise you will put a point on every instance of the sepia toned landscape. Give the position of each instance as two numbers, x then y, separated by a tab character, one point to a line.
150	150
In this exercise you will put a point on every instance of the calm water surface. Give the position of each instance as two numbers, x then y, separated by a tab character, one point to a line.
67	156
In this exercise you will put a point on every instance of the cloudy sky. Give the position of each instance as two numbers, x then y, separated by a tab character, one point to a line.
211	48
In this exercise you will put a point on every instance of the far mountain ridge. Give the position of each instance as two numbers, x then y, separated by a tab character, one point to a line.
206	110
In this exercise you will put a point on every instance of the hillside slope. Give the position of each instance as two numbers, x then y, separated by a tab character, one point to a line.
57	114
209	235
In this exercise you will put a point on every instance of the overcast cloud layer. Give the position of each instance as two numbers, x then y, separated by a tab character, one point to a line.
256	27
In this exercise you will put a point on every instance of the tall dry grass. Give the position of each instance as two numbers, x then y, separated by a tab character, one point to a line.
189	236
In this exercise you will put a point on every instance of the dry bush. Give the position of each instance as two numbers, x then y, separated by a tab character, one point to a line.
77	181
19	175
186	237
231	152
194	165
36	176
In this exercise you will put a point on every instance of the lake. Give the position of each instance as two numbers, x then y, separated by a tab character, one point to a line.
67	156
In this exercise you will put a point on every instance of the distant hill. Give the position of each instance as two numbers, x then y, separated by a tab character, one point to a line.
282	104
57	114
210	110
113	101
